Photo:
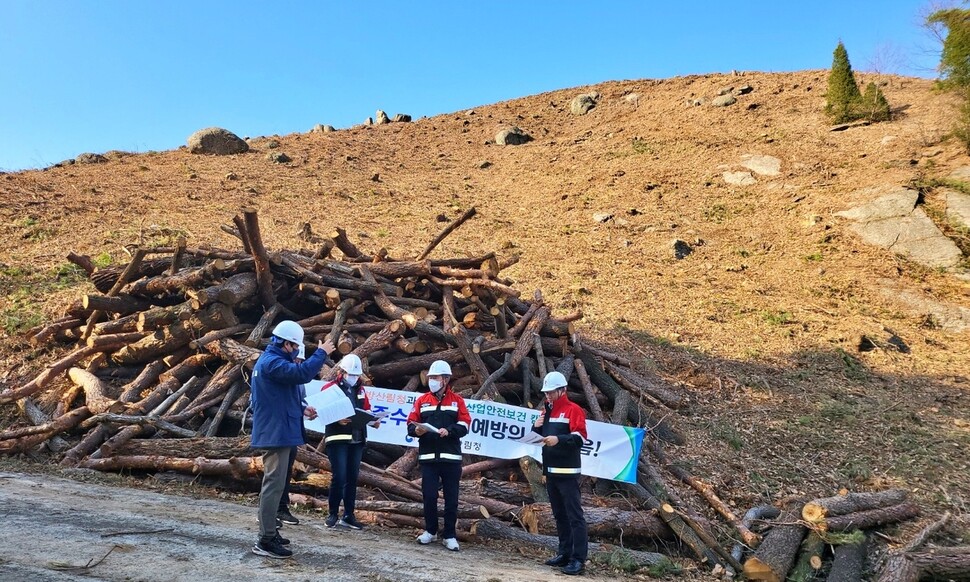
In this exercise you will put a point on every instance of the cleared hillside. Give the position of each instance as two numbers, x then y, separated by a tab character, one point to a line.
760	324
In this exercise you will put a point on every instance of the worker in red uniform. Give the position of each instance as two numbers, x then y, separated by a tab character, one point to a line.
563	426
439	451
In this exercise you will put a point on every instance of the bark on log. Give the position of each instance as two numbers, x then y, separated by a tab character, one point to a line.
343	243
809	560
219	334
176	335
600	521
94	392
148	376
232	291
525	340
128	274
818	509
401	269
379	340
47	375
56	426
849	562
405	463
638	385
497	530
209	447
264	275
871	518
532	470
448	229
943	563
158	423
237	467
776	554
51	330
898	567
594	406
121	304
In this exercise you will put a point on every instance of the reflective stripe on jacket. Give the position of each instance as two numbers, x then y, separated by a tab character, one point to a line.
345	433
566	420
448	412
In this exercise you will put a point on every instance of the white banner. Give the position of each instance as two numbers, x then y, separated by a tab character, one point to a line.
610	452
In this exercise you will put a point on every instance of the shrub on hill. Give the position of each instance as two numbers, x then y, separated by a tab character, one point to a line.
874	105
955	62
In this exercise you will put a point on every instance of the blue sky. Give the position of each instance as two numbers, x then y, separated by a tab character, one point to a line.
138	75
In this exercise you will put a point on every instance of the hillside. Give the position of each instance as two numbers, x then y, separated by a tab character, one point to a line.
760	324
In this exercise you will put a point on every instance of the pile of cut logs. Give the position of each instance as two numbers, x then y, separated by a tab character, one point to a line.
155	382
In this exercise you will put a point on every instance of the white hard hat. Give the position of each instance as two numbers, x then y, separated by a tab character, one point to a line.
439	368
553	381
302	353
351	364
289	331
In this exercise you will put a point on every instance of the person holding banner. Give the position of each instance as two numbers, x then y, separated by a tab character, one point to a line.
563	428
345	440
277	422
439	420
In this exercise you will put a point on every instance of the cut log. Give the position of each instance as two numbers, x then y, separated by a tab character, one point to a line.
809	560
47	375
606	522
209	447
121	304
94	392
525	340
237	467
943	563
898	567
849	562
264	275
128	274
532	470
159	317
380	339
448	229
818	509
176	335
494	529
871	518
776	554
594	406
219	334
56	426
639	385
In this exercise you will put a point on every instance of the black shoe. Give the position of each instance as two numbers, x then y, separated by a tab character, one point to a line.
351	522
283	541
557	561
271	548
332	520
574	567
279	524
286	517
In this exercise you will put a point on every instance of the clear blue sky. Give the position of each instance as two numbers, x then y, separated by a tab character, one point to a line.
142	75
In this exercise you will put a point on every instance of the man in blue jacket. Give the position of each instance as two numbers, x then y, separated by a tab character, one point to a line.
278	422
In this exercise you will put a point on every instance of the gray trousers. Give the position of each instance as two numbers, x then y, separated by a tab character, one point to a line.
275	465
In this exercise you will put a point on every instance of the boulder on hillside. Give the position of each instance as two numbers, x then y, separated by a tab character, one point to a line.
739	178
401	118
320	128
216	141
581	104
723	100
957	207
894	222
89	158
512	136
278	157
381	118
762	165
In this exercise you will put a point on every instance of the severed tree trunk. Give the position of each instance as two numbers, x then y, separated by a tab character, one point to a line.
849	562
870	518
600	521
809	560
208	447
776	554
818	509
532	470
94	391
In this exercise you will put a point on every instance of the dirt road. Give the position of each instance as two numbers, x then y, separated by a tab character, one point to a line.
50	528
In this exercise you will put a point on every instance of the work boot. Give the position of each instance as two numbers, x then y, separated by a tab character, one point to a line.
271	548
283	541
557	561
574	567
286	517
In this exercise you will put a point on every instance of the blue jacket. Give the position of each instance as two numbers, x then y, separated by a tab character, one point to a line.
276	399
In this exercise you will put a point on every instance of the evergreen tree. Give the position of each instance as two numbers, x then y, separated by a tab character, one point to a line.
955	62
843	100
874	104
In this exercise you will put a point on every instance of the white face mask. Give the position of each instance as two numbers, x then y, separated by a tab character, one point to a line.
435	385
351	380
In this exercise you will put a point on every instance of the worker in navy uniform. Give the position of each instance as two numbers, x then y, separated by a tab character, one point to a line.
439	451
278	413
345	443
563	427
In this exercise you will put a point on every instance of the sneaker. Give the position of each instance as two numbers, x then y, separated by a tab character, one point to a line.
451	544
286	517
427	538
282	541
332	520
271	548
351	522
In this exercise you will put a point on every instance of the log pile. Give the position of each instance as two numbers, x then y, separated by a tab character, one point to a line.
153	380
